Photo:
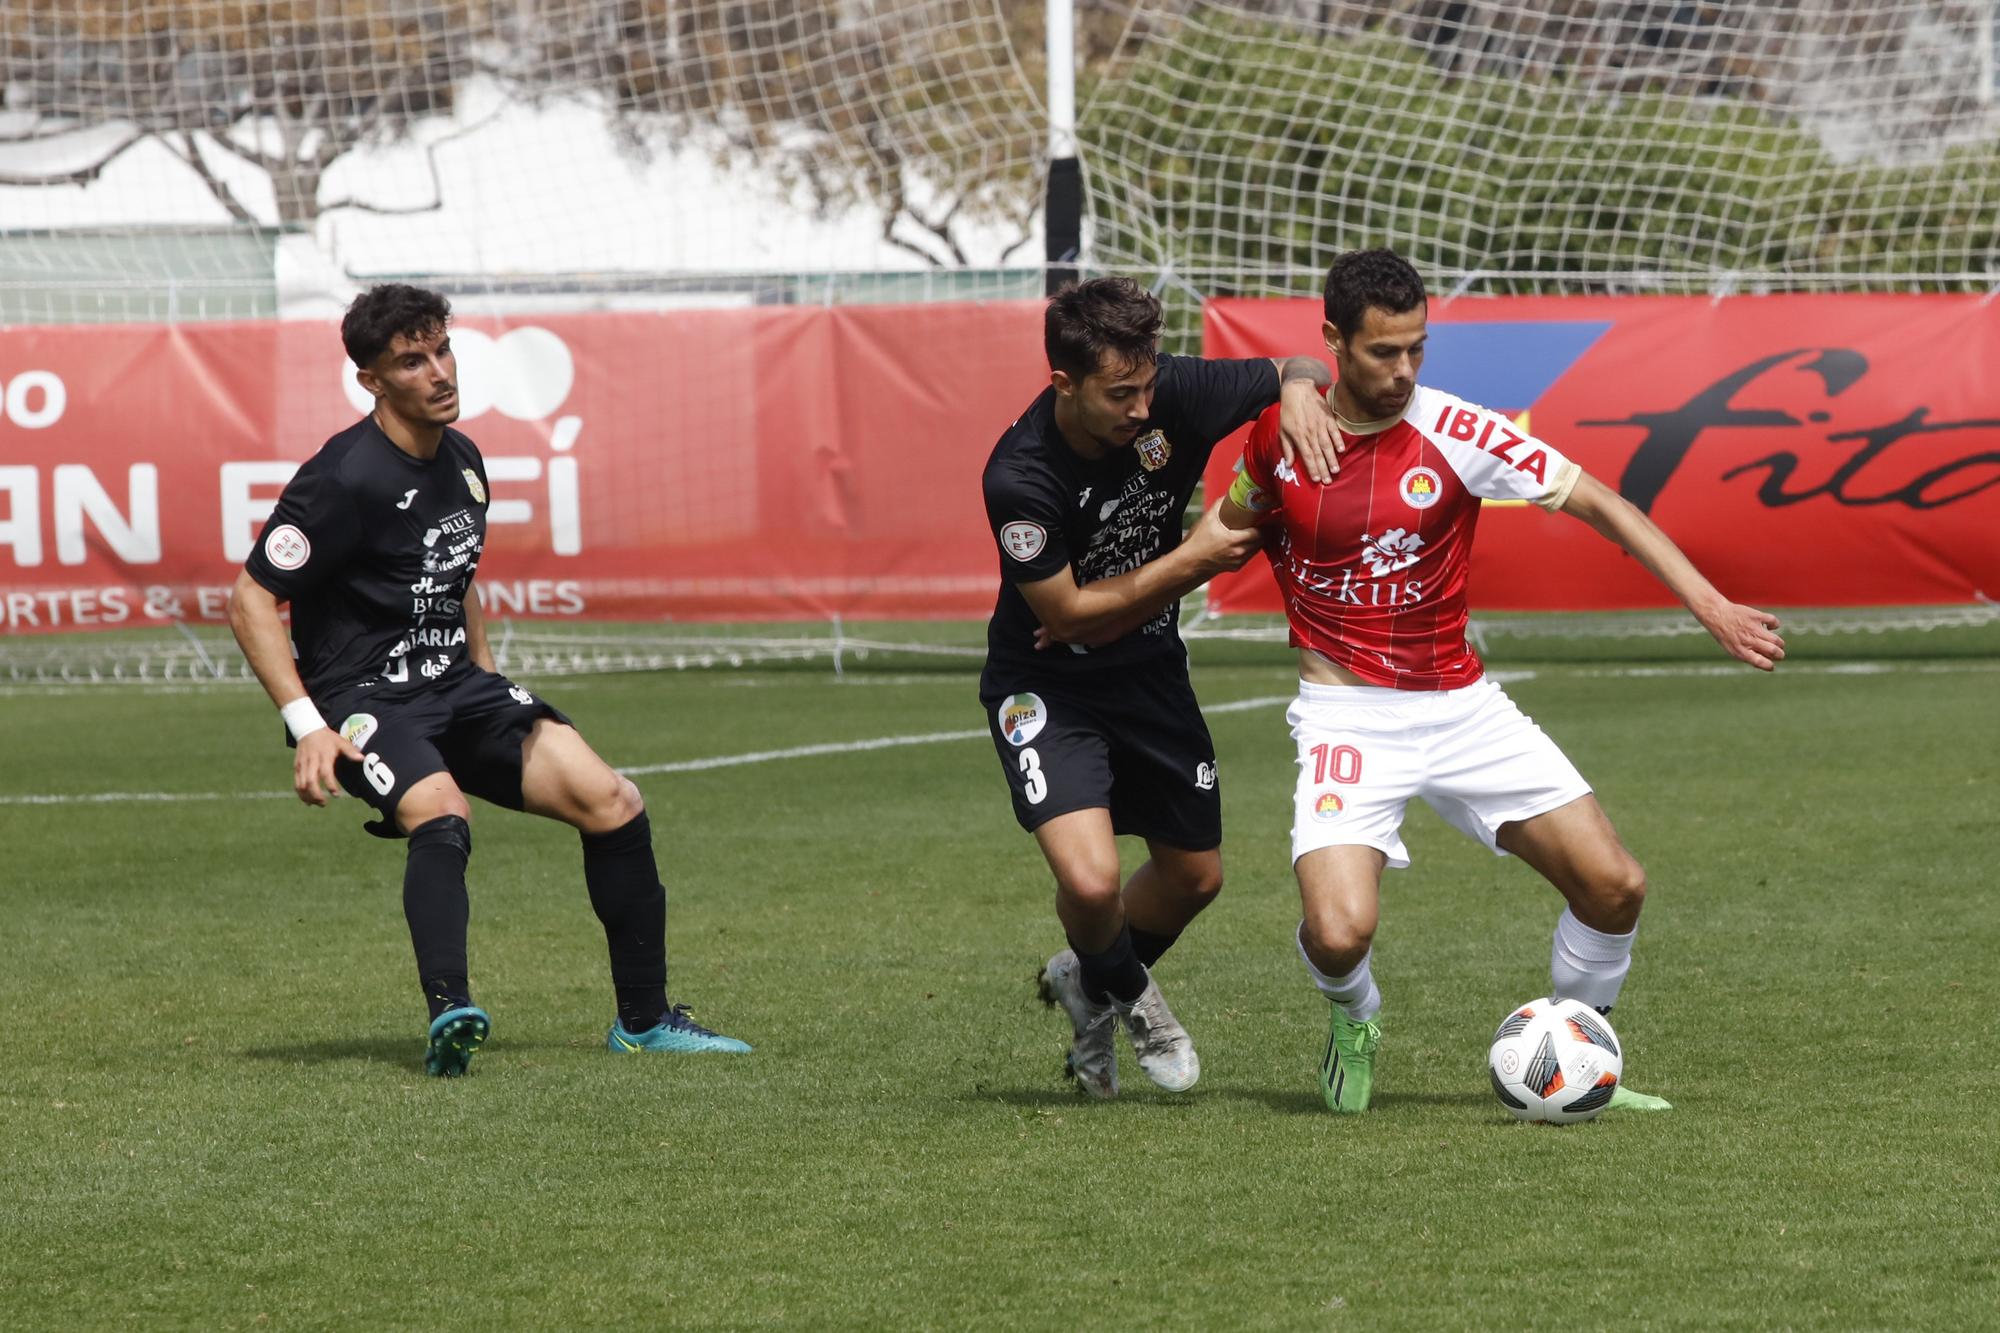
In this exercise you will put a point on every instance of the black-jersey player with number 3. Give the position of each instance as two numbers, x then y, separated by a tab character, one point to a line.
1086	686
388	688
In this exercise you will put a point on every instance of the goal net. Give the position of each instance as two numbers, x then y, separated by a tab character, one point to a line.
182	160
1545	146
190	159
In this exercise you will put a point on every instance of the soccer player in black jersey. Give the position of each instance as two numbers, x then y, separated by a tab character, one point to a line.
374	543
1086	682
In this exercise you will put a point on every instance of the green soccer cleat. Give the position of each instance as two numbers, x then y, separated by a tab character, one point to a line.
1347	1070
455	1037
676	1033
1627	1100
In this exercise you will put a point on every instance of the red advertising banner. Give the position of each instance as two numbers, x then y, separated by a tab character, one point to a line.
1835	450
761	463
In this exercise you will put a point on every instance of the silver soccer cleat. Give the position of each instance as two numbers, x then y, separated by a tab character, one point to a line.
1093	1054
1166	1053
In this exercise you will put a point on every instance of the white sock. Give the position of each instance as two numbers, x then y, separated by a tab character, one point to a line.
1587	964
1355	993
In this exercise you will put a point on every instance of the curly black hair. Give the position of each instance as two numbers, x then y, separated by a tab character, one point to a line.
1114	315
380	313
1361	279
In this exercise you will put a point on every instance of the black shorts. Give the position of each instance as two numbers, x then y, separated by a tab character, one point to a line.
470	724
1130	740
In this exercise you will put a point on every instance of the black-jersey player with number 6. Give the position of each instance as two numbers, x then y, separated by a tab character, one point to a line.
388	687
1086	686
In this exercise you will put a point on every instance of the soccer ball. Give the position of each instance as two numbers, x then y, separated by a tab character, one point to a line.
1555	1060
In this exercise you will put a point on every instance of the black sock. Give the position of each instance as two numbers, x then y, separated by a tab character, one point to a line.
626	894
435	905
1149	946
1116	973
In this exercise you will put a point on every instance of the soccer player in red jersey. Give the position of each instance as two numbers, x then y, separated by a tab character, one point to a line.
1393	703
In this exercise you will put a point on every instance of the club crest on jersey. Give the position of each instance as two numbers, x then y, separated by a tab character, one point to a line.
473	484
1153	450
358	728
1328	807
287	547
1023	540
1022	718
1422	488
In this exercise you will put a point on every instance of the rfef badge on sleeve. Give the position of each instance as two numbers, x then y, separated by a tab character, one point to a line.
1153	449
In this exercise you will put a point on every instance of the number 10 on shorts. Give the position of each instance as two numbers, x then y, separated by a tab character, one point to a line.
1341	763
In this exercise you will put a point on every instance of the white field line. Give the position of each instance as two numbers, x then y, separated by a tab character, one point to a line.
944	737
138	797
878	743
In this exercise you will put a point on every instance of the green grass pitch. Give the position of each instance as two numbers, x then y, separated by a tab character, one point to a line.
214	1116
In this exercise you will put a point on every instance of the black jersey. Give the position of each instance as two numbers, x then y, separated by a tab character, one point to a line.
375	550
1049	507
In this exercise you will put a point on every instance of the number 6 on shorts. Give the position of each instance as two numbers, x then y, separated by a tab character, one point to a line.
378	774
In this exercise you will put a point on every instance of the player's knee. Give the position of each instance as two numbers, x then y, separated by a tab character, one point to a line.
1198	883
1333	937
1095	889
625	803
605	801
418	809
617	803
1616	895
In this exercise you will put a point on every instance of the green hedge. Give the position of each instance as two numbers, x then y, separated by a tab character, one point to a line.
1228	150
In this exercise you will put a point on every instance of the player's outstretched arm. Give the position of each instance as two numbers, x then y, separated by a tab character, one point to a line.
253	618
1108	609
1745	633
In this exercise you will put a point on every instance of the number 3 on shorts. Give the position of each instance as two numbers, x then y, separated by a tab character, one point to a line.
1037	785
378	774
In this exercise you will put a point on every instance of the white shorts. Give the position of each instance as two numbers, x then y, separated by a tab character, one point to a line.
1365	750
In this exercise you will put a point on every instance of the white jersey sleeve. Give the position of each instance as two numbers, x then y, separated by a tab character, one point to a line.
1493	458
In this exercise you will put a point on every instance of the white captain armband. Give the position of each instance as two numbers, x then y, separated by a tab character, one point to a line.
1246	494
301	718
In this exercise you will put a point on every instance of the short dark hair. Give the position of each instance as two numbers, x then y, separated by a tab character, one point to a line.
1361	279
380	313
1114	315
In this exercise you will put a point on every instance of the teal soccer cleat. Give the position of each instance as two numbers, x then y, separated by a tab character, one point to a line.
677	1032
455	1037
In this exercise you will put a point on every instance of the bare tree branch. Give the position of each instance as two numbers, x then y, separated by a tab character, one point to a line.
216	185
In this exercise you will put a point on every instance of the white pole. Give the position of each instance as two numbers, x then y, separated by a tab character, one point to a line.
1984	37
1060	47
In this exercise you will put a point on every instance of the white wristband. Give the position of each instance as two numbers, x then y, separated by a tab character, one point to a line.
301	718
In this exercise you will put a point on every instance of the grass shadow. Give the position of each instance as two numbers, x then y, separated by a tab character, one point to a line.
403	1051
398	1050
1307	1101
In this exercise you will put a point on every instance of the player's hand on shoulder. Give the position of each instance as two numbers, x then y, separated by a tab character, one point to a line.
1307	431
1745	633
312	765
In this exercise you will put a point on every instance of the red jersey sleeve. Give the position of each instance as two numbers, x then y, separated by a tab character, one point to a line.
1257	475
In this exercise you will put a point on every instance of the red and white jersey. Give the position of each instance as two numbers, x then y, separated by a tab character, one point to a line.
1373	564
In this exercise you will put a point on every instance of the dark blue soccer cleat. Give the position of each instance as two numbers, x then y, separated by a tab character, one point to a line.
677	1032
